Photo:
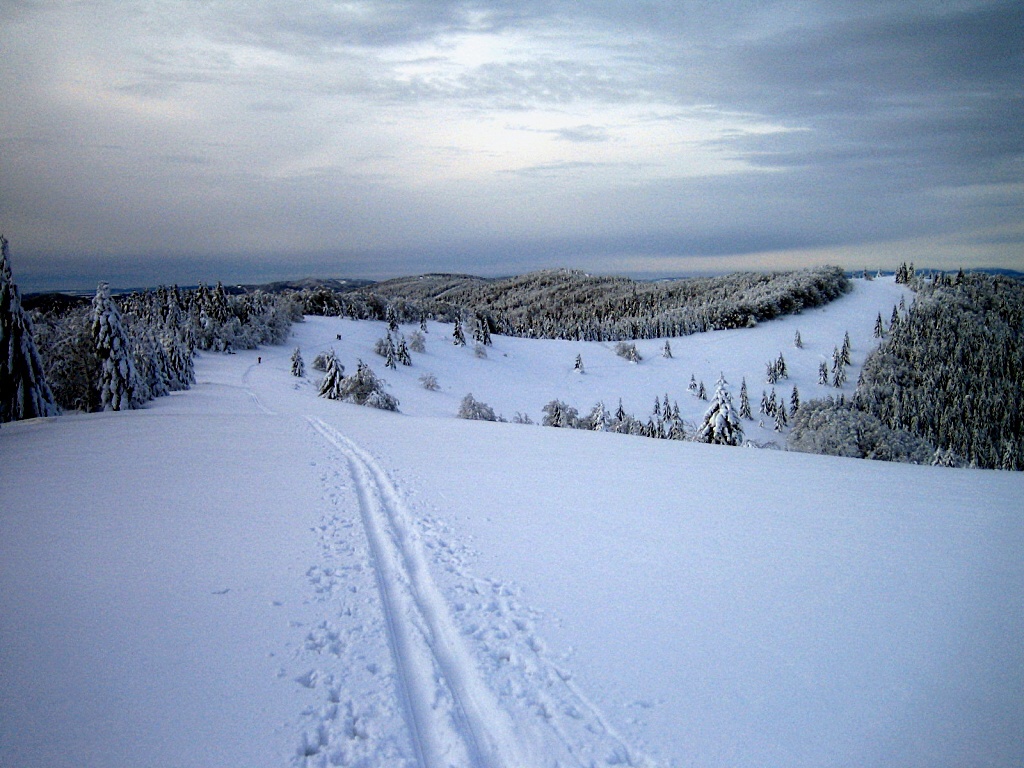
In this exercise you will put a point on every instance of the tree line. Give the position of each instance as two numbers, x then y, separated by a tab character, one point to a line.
568	304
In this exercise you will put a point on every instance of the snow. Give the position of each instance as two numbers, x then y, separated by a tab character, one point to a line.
247	574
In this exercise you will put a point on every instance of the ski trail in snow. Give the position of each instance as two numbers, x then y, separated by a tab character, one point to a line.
454	718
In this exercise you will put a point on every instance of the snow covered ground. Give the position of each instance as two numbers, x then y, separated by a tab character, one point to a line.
246	574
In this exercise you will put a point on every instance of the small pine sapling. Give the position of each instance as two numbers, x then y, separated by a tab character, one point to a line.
745	401
298	367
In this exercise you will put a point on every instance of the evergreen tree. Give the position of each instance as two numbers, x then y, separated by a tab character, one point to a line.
797	341
745	401
822	372
780	366
389	354
24	393
794	401
118	384
844	353
781	421
579	364
559	414
693	384
298	366
473	409
721	423
702	393
598	418
180	356
364	388
667	351
334	376
403	352
879	327
458	338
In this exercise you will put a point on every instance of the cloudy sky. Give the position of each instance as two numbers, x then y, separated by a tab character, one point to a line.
186	140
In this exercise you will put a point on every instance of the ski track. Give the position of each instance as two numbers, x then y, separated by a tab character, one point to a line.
448	664
452	716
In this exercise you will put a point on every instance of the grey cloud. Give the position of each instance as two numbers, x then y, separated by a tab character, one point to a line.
583	134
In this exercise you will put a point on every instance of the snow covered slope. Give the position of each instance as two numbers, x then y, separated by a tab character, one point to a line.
246	574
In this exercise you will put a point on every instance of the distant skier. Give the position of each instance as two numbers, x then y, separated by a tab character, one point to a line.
259	360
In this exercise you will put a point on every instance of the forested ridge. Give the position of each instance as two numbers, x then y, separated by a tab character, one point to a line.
118	352
566	304
944	386
952	369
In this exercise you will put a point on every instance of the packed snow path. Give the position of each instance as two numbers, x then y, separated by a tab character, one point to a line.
452	717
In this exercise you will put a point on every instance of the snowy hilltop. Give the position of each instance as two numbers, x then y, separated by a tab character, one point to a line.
254	568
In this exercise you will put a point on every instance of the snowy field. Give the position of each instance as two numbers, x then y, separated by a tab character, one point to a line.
245	574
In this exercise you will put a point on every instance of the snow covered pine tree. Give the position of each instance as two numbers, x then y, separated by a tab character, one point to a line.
119	383
721	423
24	393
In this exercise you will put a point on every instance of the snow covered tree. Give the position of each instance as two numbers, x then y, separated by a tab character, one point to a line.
578	367
458	337
794	401
298	366
797	341
822	372
721	424
559	414
334	376
24	393
745	401
153	366
702	393
417	343
597	420
781	419
879	327
693	384
364	388
628	351
402	353
482	330
667	351
473	409
429	382
118	384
